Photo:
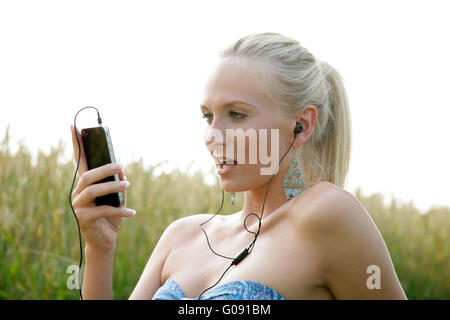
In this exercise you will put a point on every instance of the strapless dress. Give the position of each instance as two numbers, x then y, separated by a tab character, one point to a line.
235	290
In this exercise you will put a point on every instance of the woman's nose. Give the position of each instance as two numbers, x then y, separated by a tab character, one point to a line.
214	136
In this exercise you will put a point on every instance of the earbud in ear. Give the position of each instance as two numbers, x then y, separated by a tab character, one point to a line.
298	128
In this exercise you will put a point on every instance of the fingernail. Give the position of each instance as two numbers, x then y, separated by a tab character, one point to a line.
125	184
130	212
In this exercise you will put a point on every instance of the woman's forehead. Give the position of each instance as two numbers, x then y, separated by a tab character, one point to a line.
234	81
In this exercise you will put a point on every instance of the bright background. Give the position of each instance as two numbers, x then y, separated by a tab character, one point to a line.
145	64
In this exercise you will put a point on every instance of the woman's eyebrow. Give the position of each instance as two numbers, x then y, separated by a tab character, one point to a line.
229	104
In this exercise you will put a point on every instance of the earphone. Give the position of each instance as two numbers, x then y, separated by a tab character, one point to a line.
298	129
246	251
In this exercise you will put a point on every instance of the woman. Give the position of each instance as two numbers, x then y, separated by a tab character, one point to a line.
314	239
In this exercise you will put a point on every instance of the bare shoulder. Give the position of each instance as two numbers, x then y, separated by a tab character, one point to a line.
348	244
334	215
179	231
185	227
329	206
192	220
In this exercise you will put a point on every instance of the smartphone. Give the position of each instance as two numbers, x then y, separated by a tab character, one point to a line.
99	151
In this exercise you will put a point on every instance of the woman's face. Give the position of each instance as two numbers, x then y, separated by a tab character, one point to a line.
235	98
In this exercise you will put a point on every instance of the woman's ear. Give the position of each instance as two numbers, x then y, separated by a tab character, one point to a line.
306	118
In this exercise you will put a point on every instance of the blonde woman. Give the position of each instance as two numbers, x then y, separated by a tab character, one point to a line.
314	239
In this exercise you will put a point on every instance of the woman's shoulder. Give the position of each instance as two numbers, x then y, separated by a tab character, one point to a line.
346	242
332	216
326	205
191	220
335	220
187	226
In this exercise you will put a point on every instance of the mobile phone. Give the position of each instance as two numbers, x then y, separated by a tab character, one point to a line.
99	151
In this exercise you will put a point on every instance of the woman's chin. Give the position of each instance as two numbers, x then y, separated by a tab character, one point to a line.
228	185
238	180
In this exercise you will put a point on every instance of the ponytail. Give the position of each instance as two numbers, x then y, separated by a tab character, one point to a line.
335	147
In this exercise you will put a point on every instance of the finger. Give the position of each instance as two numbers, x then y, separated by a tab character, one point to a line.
89	214
122	177
121	174
97	174
83	163
93	191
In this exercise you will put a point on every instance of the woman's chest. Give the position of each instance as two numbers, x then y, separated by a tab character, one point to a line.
278	260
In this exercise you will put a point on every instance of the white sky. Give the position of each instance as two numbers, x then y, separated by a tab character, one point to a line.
145	64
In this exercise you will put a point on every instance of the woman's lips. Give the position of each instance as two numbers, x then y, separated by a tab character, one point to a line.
225	168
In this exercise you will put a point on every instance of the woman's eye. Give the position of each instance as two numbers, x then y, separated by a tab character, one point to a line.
234	115
237	115
207	116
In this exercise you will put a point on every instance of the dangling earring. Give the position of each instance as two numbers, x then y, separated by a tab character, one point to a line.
232	198
293	181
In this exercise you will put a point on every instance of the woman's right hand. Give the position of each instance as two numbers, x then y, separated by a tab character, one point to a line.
99	224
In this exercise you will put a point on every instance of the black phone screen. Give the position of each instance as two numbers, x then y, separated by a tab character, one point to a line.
98	154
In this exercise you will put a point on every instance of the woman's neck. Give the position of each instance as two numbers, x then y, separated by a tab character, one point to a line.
254	198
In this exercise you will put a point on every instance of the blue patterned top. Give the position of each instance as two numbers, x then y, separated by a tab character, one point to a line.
236	290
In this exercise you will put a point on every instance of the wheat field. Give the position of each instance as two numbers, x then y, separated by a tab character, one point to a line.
39	237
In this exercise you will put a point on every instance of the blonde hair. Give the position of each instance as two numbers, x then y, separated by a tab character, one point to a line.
297	80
